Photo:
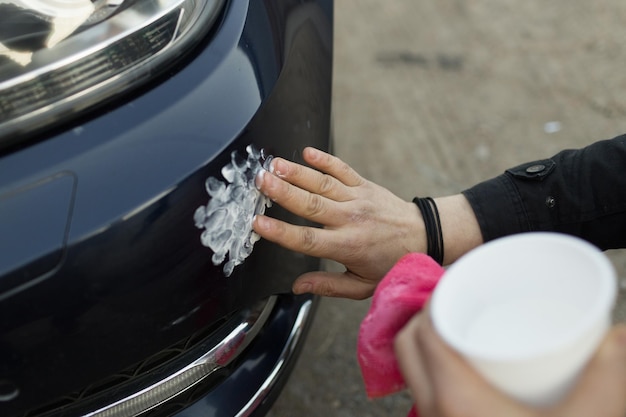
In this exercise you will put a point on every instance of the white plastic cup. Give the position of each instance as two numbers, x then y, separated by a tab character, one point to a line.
527	311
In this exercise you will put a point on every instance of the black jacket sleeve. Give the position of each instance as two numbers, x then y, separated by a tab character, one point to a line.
580	192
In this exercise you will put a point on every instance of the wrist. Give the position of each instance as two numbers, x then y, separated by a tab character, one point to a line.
416	235
460	229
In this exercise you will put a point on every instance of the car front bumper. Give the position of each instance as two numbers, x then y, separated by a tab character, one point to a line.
102	265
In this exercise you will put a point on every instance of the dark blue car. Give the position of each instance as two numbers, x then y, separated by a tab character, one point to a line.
131	282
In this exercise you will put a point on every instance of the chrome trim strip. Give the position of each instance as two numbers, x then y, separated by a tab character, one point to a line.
288	351
223	353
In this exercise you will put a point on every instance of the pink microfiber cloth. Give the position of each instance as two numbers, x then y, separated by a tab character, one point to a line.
399	295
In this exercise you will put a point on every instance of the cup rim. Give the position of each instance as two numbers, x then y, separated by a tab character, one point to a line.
607	290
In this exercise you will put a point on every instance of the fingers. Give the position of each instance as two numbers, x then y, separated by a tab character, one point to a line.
332	166
443	384
303	203
319	243
458	389
332	177
411	363
311	180
601	389
310	241
334	284
441	381
310	193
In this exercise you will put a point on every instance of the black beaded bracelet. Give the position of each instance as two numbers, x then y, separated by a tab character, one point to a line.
434	235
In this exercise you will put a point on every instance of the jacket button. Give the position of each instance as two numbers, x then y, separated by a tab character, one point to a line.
550	201
533	169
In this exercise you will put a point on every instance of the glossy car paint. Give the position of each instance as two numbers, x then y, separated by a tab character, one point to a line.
101	264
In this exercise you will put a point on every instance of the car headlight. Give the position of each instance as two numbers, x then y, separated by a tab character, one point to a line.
59	57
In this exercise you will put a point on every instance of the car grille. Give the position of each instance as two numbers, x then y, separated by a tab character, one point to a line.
173	373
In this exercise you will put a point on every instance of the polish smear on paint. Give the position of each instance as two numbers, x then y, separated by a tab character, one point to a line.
227	217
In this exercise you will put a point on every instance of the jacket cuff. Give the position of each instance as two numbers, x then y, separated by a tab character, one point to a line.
498	207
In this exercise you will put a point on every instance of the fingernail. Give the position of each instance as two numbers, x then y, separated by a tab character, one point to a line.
260	221
312	153
260	177
279	167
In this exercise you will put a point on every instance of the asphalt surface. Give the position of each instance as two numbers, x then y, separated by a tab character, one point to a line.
432	97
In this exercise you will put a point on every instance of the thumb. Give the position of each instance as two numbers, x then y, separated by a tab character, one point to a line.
601	389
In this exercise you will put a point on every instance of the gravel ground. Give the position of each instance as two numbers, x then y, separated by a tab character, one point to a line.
432	97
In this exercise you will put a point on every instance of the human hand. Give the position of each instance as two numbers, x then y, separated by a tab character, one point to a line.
366	227
444	385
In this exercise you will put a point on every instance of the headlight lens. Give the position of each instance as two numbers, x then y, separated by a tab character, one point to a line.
58	57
